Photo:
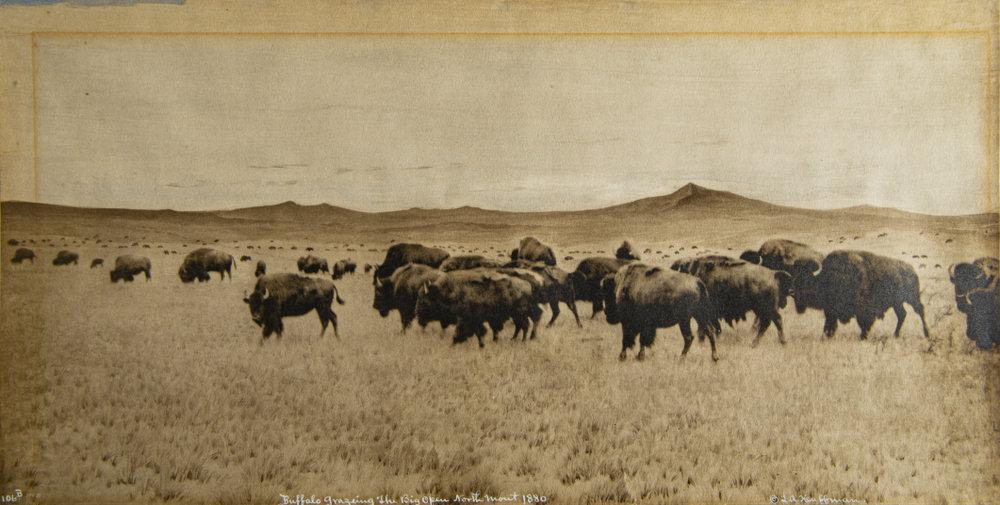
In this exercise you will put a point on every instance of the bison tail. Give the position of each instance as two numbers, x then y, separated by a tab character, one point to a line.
336	296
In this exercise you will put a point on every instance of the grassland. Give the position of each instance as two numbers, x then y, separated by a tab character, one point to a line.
160	391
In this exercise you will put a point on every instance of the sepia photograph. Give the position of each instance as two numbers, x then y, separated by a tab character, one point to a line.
499	252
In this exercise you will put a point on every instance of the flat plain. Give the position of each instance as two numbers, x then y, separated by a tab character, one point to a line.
161	391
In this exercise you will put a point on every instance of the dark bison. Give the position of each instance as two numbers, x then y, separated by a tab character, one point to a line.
130	265
736	288
23	254
473	298
860	285
587	280
978	296
368	268
344	267
468	263
13	242
401	290
245	258
261	268
198	263
286	294
624	252
97	262
644	298
799	260
310	264
557	286
532	250
65	258
400	254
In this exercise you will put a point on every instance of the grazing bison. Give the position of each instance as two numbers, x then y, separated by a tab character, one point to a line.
587	280
624	252
401	290
400	254
286	294
97	262
532	250
978	296
245	258
557	286
799	260
368	268
198	263
644	298
310	264
474	297
129	265
468	263
65	258
23	254
344	267
860	285
736	287
261	268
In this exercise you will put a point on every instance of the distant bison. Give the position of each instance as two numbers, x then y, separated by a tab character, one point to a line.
97	262
310	264
198	263
286	294
587	280
468	263
401	290
400	254
245	258
977	295
130	265
643	298
863	286
261	268
13	242
368	268
65	258
532	250
736	287
23	254
344	267
476	297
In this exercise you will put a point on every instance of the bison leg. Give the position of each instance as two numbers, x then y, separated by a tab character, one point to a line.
554	305
323	320
598	305
646	338
762	324
535	317
628	338
688	337
900	317
830	325
571	303
919	309
406	319
778	326
865	323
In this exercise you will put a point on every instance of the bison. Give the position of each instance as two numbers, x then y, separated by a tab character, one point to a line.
799	260
532	250
401	290
286	294
643	298
557	286
97	262
23	254
344	267
736	287
588	276
863	286
198	263
468	263
368	268
261	268
245	258
475	297
977	295
129	265
310	264
624	252
65	258
400	254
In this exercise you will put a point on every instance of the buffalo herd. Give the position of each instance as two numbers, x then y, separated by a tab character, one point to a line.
477	294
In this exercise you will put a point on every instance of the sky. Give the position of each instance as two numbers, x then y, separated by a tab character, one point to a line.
527	123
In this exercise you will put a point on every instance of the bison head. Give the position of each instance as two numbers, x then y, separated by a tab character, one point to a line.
608	286
383	296
432	306
115	276
261	305
967	279
805	284
186	275
751	257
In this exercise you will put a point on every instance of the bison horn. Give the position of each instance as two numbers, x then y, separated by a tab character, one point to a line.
265	296
378	282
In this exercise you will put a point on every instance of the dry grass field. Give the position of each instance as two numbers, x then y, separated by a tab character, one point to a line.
160	392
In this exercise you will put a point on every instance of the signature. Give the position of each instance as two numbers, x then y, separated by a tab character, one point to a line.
11	497
821	499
